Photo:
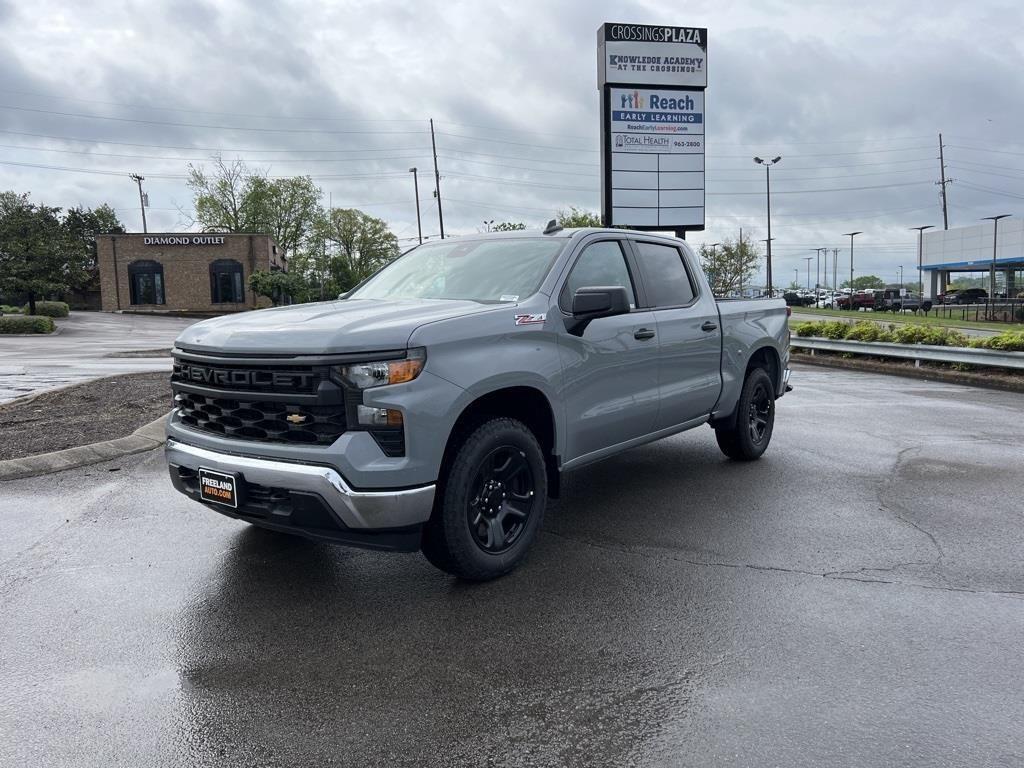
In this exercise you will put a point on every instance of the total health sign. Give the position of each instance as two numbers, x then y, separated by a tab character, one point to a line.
652	128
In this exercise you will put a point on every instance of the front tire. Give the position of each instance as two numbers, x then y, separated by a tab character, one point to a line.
492	502
751	431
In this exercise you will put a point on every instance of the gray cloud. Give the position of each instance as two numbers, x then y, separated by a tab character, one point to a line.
852	97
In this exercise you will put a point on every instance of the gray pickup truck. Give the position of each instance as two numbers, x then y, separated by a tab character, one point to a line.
436	405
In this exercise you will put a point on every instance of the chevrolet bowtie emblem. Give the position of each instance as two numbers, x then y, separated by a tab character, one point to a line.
295	418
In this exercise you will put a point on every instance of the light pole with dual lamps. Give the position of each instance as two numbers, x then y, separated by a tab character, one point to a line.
416	191
768	196
995	235
851	235
920	265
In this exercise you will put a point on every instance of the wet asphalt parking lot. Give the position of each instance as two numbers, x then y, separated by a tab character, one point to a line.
855	598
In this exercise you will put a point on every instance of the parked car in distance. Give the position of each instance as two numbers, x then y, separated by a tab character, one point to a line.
861	300
827	300
890	300
794	299
964	296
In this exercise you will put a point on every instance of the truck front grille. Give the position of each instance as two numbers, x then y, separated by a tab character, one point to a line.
252	419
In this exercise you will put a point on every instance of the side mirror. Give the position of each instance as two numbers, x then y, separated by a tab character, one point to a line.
593	302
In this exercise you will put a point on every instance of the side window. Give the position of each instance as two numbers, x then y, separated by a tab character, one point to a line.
600	264
146	282
666	279
226	282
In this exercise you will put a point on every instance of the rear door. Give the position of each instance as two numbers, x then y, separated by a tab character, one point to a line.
610	371
689	337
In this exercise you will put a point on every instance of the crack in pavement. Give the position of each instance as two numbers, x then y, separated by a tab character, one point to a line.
831	575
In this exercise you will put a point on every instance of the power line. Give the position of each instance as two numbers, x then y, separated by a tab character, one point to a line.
304	131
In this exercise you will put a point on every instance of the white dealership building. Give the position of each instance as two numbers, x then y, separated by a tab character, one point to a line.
970	249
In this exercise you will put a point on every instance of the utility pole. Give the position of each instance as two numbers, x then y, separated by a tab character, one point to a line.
142	200
437	179
944	183
416	190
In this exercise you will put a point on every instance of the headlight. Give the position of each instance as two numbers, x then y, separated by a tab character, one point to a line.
383	372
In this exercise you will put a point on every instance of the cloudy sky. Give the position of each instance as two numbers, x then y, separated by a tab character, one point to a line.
852	95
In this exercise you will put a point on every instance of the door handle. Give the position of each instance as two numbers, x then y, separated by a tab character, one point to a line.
709	326
642	334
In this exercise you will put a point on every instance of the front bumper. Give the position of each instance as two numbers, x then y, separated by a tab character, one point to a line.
285	496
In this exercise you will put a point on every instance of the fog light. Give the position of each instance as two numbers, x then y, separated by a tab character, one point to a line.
369	416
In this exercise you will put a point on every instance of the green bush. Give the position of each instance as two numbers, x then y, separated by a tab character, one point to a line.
834	329
7	309
810	328
1007	341
865	330
32	324
49	309
932	335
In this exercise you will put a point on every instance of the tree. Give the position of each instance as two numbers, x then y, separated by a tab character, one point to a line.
35	257
234	198
507	226
353	246
81	226
865	283
577	217
277	285
730	266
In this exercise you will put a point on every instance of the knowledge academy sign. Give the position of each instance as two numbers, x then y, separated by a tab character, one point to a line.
652	55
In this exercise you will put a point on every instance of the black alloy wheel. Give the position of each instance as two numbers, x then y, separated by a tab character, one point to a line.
504	494
759	412
491	500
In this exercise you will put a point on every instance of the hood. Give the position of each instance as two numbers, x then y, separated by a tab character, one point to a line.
334	327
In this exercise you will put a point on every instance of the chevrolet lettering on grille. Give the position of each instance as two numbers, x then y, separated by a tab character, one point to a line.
243	379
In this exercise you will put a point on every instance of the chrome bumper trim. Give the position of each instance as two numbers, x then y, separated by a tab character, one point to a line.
357	509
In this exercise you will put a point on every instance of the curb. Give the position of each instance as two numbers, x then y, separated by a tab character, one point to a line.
144	438
946	376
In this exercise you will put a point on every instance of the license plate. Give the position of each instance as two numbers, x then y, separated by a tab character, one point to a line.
218	487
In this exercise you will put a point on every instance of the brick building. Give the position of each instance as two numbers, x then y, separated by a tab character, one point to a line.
191	272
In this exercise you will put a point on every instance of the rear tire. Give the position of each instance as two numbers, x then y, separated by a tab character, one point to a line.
751	431
491	502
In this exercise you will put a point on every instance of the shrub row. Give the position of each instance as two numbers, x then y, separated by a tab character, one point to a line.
49	309
866	330
31	324
1007	341
7	309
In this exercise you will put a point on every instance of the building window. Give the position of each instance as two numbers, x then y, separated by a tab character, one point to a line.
226	282
146	281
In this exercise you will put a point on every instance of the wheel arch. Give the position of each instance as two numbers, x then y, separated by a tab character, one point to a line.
524	403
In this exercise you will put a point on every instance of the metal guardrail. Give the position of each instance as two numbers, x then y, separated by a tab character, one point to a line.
916	352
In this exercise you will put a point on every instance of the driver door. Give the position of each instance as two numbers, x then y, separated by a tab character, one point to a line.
610	372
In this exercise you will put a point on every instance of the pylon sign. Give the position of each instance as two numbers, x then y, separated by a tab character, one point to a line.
652	81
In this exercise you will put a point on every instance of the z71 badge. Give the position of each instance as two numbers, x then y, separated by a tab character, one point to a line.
531	319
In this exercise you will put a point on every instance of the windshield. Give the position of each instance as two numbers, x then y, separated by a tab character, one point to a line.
474	270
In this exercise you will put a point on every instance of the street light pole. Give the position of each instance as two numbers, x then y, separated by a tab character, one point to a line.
808	260
142	200
768	270
995	235
920	265
768	196
416	189
851	235
487	224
